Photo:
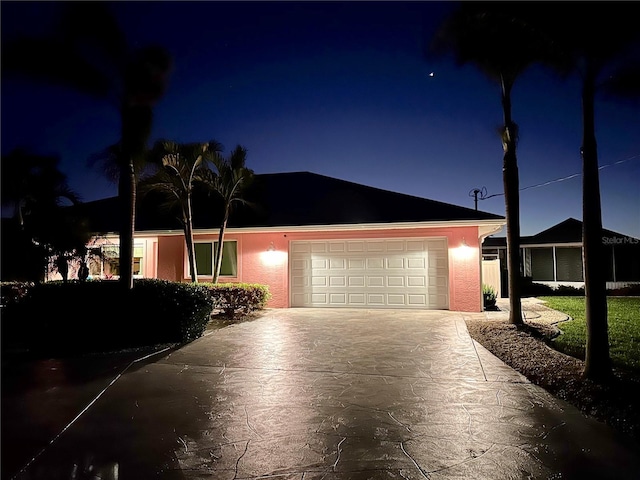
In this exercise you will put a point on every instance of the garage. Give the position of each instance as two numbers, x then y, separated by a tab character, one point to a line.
373	273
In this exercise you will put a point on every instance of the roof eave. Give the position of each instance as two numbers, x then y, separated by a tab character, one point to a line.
485	224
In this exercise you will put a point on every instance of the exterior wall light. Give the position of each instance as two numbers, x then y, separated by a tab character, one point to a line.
464	251
272	256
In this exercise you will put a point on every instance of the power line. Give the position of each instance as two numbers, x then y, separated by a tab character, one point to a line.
483	191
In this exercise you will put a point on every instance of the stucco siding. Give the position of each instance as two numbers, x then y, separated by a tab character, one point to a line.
464	262
465	292
264	258
170	259
265	266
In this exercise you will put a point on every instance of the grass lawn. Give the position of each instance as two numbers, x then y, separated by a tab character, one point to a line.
624	328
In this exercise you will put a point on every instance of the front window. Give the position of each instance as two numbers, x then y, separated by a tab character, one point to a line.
569	264
111	260
205	257
542	264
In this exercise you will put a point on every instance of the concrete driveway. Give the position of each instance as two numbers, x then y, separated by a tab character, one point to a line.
332	394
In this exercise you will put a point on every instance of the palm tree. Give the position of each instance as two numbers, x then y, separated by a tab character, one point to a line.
32	182
229	182
496	39
89	53
180	168
601	62
45	225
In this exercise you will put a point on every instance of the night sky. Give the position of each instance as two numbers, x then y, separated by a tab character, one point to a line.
340	89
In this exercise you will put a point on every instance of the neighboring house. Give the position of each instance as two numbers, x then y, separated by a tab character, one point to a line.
316	241
554	256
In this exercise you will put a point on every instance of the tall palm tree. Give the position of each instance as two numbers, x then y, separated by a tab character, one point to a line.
179	168
495	38
44	224
89	53
596	47
32	182
229	181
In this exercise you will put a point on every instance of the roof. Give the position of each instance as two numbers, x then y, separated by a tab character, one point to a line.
293	199
567	231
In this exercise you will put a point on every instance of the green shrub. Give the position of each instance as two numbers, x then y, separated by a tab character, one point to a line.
568	291
54	317
15	331
628	291
489	296
177	312
79	317
12	292
531	289
238	298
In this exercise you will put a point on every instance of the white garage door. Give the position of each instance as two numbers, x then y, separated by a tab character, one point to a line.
385	273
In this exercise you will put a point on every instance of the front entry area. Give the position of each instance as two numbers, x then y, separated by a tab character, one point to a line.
372	273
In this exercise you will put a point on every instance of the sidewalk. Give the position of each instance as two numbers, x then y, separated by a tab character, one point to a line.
533	309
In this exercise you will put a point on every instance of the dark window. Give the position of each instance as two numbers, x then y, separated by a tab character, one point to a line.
569	264
542	264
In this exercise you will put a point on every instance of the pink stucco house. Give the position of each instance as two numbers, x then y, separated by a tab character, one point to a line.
317	241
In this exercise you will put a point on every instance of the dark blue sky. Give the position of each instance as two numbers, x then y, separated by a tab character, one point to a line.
340	89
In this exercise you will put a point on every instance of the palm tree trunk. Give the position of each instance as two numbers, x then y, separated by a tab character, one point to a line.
511	184
136	125
127	199
597	365
19	215
188	236
218	262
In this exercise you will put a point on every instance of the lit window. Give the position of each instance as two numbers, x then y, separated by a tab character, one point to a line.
205	257
111	260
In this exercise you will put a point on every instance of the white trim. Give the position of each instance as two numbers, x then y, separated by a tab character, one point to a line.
483	233
486	230
491	224
549	245
212	243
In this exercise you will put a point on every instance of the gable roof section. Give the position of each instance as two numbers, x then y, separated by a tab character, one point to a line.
567	231
290	200
303	198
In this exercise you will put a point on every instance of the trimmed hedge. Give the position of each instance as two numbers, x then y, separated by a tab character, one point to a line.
238	298
178	311
99	316
12	292
532	289
628	291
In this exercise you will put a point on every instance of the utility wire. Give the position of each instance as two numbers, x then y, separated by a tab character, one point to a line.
544	184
